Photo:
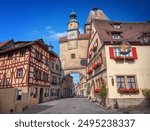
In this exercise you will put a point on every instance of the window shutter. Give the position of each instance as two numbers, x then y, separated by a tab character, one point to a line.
134	53
111	52
101	57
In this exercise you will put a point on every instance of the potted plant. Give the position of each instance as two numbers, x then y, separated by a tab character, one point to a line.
103	94
146	94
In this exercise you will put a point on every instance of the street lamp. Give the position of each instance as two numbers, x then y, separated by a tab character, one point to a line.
144	38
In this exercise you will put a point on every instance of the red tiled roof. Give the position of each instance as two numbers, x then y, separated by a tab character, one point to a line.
128	30
3	43
80	37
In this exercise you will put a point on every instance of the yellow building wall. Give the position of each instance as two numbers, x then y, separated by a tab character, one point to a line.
140	68
8	100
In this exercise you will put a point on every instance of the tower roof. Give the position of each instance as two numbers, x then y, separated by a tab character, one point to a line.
73	16
97	14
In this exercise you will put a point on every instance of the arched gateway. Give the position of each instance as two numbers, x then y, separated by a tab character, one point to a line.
73	48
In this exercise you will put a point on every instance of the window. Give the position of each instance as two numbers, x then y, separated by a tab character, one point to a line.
19	94
38	56
117	26
19	73
42	75
52	64
45	92
116	36
117	52
46	61
57	67
22	52
35	92
131	82
39	75
73	56
34	74
45	76
10	55
121	81
126	82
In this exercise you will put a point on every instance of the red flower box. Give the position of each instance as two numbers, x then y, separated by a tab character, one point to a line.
128	90
129	58
119	58
89	70
97	90
96	64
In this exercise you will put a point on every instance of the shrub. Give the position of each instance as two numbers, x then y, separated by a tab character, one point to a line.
103	94
104	91
146	92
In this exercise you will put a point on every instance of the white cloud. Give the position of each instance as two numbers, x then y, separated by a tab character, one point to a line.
48	34
48	27
56	36
81	31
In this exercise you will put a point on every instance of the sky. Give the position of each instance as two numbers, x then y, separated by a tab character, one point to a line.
47	19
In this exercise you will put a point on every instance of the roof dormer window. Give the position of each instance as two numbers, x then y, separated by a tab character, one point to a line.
116	36
117	26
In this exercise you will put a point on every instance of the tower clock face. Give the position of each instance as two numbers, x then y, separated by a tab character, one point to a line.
72	34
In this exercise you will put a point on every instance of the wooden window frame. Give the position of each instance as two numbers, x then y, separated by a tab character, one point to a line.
57	67
10	55
18	72
114	36
126	80
35	95
19	97
121	76
22	52
73	56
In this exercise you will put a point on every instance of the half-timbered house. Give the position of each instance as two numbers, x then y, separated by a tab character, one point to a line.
24	74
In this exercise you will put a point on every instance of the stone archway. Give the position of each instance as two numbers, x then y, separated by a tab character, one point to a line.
80	71
67	74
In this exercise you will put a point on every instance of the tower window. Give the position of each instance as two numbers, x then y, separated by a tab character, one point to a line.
73	56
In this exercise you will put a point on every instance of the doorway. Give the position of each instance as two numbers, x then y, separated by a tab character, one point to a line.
41	95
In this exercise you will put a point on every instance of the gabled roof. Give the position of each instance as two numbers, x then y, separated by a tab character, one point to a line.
22	44
128	30
4	43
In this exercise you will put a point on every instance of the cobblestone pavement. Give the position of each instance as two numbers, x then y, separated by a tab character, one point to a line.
70	106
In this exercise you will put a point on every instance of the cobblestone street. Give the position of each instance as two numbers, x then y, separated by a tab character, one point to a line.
70	106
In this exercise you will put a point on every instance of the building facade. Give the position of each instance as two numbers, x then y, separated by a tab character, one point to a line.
73	48
67	87
81	89
56	75
24	75
117	59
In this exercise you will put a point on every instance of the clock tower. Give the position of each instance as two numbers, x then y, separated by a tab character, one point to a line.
73	27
